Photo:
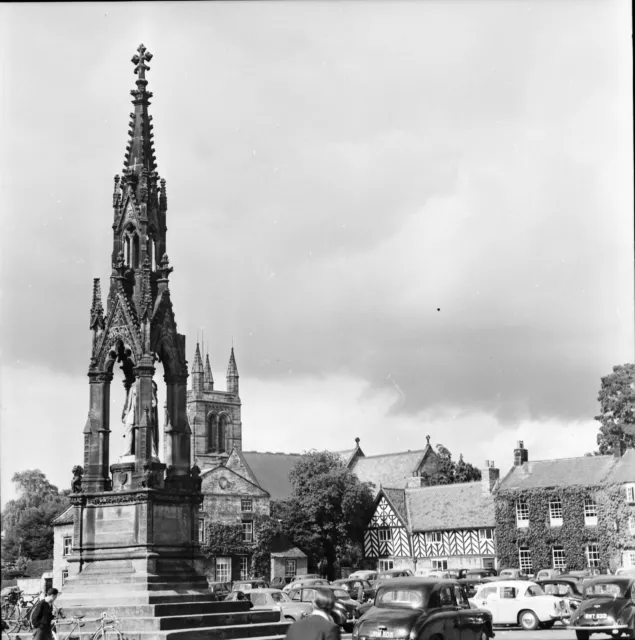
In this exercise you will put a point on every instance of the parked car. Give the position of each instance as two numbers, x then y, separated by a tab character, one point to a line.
352	587
346	610
423	608
363	575
248	585
520	602
546	574
472	585
608	607
278	582
297	584
513	574
483	572
389	574
220	589
276	599
625	571
569	589
235	596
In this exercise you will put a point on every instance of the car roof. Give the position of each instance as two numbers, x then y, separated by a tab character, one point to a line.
511	583
621	579
558	579
414	581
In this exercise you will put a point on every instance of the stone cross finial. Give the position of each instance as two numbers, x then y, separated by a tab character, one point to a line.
428	439
140	59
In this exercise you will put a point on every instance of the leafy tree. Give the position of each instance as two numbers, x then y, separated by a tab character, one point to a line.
27	521
617	408
328	509
265	530
449	472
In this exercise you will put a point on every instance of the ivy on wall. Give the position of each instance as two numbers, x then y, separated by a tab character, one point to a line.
611	533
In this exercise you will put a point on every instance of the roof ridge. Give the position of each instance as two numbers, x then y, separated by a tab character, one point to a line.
603	457
475	483
273	453
396	453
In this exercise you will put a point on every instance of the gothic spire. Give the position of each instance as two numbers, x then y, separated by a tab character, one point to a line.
197	366
208	378
232	374
140	168
96	309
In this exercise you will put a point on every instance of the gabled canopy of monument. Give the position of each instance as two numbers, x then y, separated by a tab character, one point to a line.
138	327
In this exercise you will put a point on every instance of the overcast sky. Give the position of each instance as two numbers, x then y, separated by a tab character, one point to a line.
411	218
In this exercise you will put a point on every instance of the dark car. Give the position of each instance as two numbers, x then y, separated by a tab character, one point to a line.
472	584
346	610
423	608
569	589
352	586
608	607
220	589
481	573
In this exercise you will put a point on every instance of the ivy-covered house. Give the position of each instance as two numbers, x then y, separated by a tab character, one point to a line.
433	527
567	513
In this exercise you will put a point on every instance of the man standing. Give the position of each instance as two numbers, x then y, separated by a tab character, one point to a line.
318	625
42	616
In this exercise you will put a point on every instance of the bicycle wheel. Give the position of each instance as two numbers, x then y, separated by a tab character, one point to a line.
107	633
10	613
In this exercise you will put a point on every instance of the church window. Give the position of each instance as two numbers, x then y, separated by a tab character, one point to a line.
222	434
68	545
212	432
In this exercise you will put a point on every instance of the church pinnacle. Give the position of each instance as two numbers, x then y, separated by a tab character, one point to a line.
232	374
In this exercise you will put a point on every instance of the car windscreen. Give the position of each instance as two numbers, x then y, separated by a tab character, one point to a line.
604	589
280	597
390	597
556	589
340	593
534	590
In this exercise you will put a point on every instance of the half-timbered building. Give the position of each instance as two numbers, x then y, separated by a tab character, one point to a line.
434	527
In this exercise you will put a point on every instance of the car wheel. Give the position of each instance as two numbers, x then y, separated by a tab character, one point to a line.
289	618
528	620
582	635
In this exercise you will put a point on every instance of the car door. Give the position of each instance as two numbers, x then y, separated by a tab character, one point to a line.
508	605
444	608
308	595
487	598
469	621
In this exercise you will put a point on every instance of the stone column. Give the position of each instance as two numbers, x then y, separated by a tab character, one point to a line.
97	433
144	372
179	447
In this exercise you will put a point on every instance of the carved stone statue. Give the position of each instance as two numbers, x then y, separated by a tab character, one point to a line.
76	484
128	417
148	477
155	421
197	481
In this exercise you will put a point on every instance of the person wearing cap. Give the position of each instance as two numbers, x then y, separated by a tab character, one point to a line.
42	616
319	625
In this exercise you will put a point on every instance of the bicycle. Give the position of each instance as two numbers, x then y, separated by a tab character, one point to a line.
107	629
16	611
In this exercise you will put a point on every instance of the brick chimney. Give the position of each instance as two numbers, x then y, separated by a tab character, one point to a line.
520	454
489	476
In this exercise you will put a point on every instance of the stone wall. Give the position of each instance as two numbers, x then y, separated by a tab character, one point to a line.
60	563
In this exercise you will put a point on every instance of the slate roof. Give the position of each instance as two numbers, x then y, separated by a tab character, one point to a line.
624	470
389	470
397	498
450	506
272	471
281	546
561	472
66	517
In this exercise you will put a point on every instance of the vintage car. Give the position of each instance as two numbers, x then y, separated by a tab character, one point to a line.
420	609
305	582
483	572
390	574
363	575
275	599
352	586
472	585
569	589
629	571
509	574
546	574
248	585
278	582
346	610
220	589
608	606
520	602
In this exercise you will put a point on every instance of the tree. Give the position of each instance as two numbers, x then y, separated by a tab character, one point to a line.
449	472
328	509
617	408
27	521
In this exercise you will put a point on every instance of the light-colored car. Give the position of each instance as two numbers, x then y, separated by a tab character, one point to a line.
275	599
311	582
248	585
507	574
520	602
363	575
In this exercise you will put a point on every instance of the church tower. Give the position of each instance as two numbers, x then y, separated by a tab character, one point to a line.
136	507
214	415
